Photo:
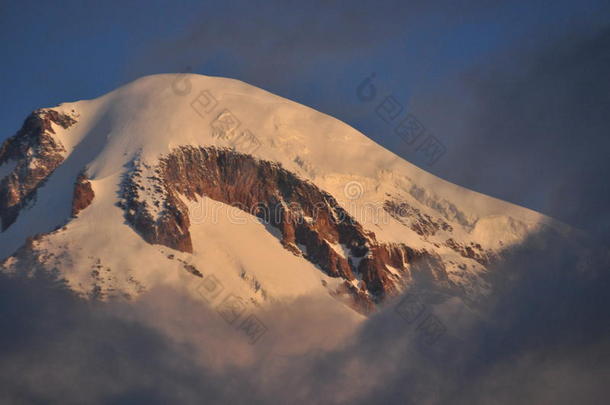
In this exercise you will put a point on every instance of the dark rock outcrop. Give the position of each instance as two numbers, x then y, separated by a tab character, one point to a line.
83	194
36	153
170	226
311	222
422	223
473	251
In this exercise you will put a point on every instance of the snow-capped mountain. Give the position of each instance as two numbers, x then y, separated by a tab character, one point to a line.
208	184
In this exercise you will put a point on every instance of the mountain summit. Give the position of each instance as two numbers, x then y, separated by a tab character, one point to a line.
209	184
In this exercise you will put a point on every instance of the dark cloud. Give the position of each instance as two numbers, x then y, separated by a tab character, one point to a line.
275	43
542	338
58	348
534	128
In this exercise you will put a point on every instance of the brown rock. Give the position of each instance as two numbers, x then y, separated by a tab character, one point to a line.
304	215
37	153
83	194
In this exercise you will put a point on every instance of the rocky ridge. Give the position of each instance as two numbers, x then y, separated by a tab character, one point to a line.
311	222
35	152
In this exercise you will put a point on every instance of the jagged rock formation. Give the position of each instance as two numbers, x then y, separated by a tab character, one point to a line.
425	226
473	251
155	211
36	153
419	222
311	222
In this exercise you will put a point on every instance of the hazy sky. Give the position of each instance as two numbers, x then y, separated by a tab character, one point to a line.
518	92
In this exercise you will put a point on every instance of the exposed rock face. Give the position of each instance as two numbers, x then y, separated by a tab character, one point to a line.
304	214
158	215
311	222
419	222
473	251
355	297
36	153
83	194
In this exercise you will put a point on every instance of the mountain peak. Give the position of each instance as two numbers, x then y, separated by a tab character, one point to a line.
174	178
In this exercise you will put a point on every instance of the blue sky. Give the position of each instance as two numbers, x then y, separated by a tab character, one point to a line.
503	85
